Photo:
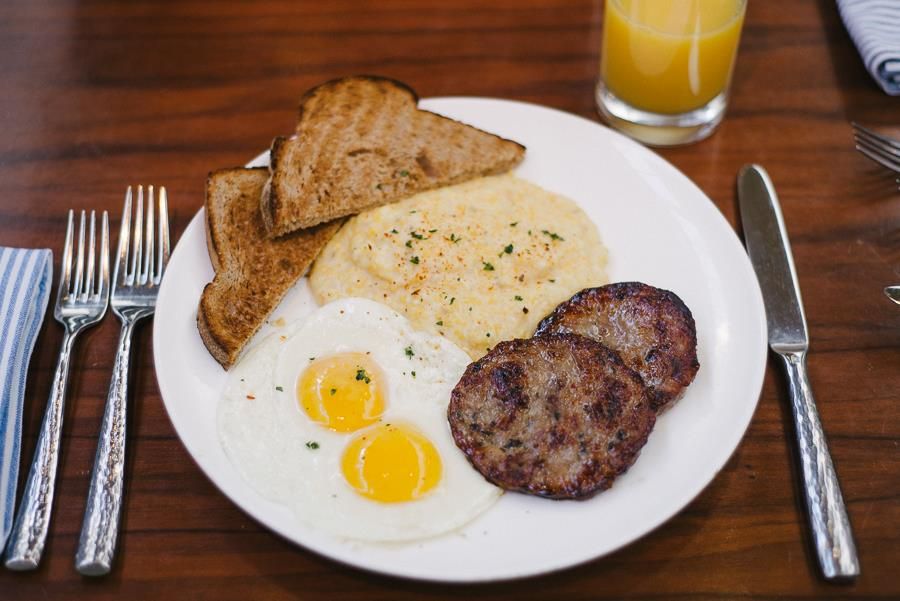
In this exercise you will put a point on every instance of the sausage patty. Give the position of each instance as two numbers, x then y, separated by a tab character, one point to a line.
558	416
652	330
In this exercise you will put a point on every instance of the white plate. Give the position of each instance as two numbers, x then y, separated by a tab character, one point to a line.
660	229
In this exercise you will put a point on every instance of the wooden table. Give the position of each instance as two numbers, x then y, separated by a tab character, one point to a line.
96	95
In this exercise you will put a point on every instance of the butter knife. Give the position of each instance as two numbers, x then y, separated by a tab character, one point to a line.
770	254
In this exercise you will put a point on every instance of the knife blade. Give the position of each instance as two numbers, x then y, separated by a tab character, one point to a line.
770	253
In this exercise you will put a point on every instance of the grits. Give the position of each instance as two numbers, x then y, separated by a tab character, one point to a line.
479	262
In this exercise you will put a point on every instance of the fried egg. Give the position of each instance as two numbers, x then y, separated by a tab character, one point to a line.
343	419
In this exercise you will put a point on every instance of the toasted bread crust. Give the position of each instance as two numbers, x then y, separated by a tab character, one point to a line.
362	142
268	202
216	347
252	273
329	86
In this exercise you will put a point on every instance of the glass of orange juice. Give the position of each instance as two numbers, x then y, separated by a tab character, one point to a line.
665	66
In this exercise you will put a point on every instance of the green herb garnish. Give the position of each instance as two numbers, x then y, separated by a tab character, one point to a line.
518	298
553	235
487	266
404	173
279	389
416	236
409	352
508	249
361	375
414	260
334	390
312	444
439	322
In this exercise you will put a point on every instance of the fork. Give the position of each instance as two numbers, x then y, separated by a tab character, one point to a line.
81	302
138	273
881	149
885	152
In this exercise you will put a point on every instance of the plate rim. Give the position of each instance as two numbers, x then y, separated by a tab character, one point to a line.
750	409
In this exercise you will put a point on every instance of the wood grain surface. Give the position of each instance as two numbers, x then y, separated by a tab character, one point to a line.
97	95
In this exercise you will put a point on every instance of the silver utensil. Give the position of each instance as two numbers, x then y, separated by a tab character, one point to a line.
80	303
770	254
138	273
881	149
893	293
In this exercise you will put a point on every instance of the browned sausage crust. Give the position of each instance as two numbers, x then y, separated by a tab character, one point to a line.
558	416
652	330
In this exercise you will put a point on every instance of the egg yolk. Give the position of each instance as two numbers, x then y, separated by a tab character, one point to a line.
391	464
344	392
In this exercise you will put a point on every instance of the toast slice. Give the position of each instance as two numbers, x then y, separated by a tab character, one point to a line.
253	273
361	142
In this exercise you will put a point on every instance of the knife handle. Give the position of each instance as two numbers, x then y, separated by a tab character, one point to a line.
832	535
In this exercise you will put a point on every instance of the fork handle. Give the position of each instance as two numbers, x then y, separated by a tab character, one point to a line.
29	533
832	536
99	531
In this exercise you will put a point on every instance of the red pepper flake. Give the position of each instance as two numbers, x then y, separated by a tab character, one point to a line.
251	397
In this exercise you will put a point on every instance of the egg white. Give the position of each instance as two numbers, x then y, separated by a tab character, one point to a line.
265	432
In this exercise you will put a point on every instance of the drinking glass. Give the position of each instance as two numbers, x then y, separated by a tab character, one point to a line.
666	65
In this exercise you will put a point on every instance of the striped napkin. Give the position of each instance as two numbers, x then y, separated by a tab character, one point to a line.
25	280
874	26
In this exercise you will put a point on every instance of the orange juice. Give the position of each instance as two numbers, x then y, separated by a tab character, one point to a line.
669	56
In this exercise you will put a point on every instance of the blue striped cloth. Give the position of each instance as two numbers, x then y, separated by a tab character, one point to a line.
25	281
874	26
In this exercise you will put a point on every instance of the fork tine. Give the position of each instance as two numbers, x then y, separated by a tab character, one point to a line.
136	244
120	274
65	266
103	278
879	158
163	233
879	147
866	132
147	273
88	288
78	284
